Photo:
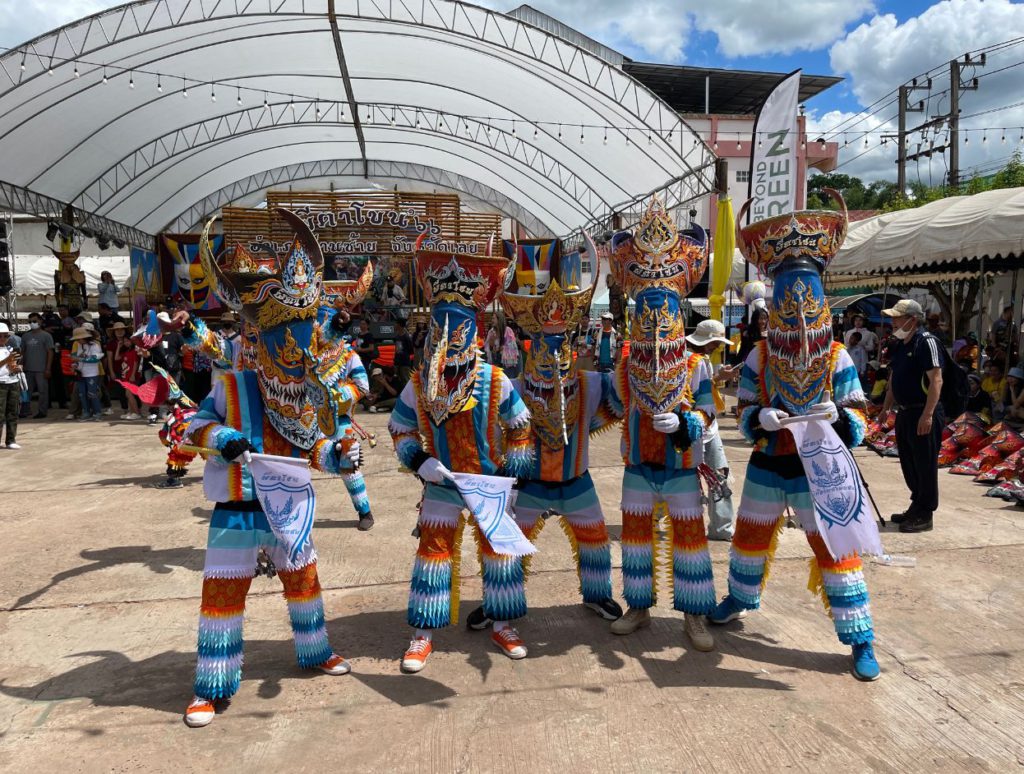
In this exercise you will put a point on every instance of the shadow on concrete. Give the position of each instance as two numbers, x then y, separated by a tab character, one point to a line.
150	482
552	632
160	561
336	523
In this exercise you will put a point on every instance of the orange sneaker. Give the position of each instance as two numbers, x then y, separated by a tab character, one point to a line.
335	665
415	657
509	642
199	713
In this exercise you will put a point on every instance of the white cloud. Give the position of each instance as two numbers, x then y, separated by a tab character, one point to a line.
880	55
663	28
22	20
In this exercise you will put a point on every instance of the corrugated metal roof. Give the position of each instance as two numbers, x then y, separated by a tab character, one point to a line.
531	15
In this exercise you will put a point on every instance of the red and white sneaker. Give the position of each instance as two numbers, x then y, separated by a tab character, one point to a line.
415	657
199	713
509	642
335	665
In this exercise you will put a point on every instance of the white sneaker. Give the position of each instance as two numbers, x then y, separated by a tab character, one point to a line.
14	446
133	416
70	416
107	412
126	416
697	631
199	713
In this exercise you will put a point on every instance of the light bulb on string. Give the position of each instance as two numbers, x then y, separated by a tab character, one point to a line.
49	70
489	129
317	110
23	64
760	143
536	132
581	134
865	141
469	133
984	138
131	80
213	94
715	145
393	111
104	74
77	74
159	85
650	140
627	137
417	119
266	102
1003	139
822	144
967	138
184	88
738	146
559	131
605	142
239	97
514	134
291	103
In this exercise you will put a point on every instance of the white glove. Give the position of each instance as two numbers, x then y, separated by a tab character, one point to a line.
666	423
353	454
433	471
769	418
825	407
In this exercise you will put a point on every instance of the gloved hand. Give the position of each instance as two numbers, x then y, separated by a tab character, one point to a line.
432	471
235	448
825	407
666	423
352	454
769	418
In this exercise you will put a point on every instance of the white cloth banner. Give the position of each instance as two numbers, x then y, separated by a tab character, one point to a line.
844	515
284	486
490	500
773	162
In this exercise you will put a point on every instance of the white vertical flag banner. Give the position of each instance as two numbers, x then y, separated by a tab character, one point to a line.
490	500
773	160
284	486
844	515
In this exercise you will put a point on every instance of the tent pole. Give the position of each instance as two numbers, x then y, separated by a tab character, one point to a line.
1014	323
981	302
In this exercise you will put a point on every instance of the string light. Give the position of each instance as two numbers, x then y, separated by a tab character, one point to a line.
559	131
581	134
513	128
967	138
184	87
759	143
393	116
131	80
239	100
104	73
23	64
650	140
489	130
417	118
865	141
213	94
605	136
536	131
77	74
715	146
984	138
291	103
159	85
266	102
1003	139
317	103
469	132
49	70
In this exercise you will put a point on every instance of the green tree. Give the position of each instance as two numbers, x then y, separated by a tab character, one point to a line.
1012	175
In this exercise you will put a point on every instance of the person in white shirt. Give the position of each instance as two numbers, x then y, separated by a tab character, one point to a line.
867	339
108	290
708	338
10	387
87	362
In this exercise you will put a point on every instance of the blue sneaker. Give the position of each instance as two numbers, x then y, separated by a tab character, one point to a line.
726	611
865	666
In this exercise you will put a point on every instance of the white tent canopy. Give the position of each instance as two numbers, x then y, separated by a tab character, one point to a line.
34	273
157	113
939	234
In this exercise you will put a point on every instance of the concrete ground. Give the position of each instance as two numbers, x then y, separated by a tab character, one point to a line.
99	597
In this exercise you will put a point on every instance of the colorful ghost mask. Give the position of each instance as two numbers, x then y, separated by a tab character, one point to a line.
550	381
280	300
457	289
657	266
794	250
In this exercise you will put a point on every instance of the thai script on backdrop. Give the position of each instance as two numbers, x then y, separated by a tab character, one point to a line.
357	214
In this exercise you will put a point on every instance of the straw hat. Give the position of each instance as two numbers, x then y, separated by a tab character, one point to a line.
708	331
86	315
81	333
118	326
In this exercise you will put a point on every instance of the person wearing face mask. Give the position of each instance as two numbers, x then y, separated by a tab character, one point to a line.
914	389
37	354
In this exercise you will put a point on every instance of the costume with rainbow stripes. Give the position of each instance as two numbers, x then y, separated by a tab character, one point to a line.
795	370
267	410
467	415
657	266
566	407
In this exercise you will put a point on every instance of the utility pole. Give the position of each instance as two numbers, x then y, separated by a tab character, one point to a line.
955	87
901	134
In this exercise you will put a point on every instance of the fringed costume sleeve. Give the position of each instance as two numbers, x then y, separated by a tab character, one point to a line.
848	395
750	397
515	422
404	428
693	422
207	428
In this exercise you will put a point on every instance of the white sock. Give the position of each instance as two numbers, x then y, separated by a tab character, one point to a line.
501	625
426	634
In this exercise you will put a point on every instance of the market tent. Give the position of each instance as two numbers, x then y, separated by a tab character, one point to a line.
951	233
157	113
35	273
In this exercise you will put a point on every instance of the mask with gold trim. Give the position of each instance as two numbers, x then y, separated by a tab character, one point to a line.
795	249
658	265
550	379
457	287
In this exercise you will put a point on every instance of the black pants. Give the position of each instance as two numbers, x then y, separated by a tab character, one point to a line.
919	459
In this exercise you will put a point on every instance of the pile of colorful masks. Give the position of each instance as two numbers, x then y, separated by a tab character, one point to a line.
962	438
880	435
998	444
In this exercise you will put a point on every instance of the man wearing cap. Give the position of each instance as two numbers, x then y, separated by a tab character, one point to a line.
37	360
10	387
707	339
915	384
